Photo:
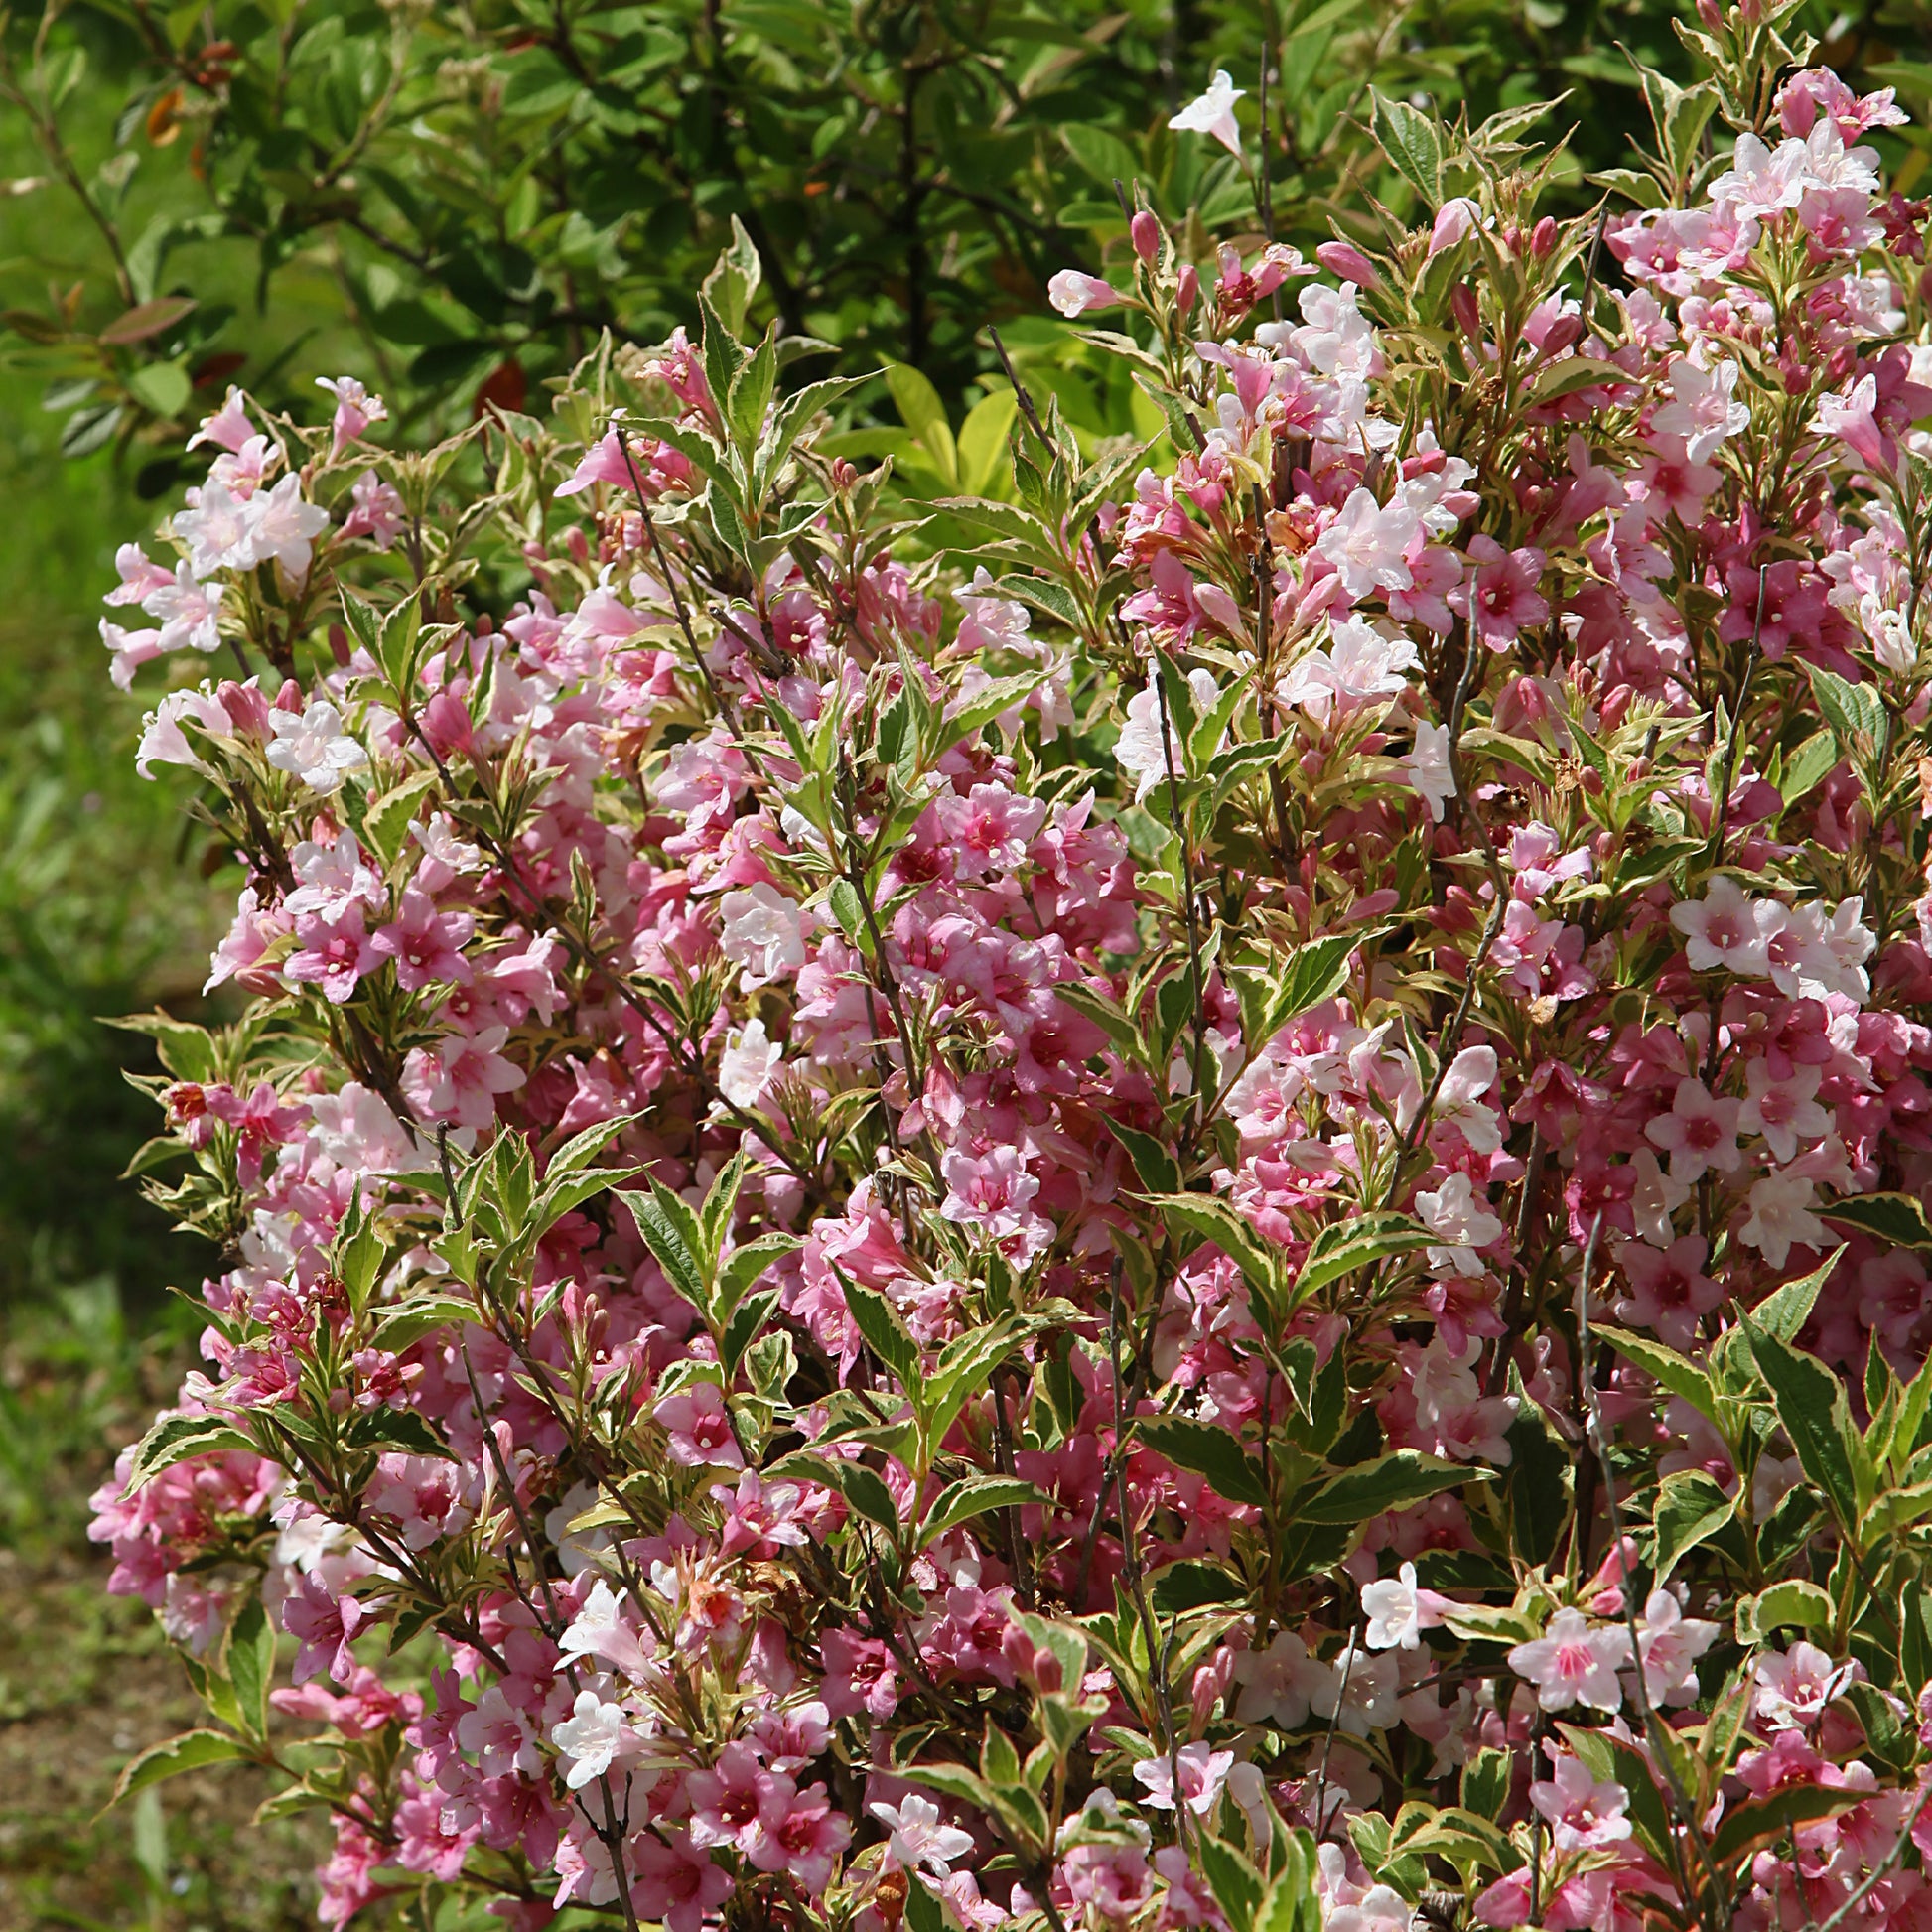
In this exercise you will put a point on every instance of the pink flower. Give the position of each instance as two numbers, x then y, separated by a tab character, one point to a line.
699	1427
806	1841
425	943
1204	1773
332	953
1574	1664
1725	928
1699	1133
740	1804
459	1080
918	1840
1582	1814
677	1882
1504	599
324	1626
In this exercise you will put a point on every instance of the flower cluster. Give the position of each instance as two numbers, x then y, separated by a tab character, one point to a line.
1195	1193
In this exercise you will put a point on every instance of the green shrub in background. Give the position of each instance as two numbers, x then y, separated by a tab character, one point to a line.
471	191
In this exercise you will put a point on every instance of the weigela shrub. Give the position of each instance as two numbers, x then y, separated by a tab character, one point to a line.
1192	1196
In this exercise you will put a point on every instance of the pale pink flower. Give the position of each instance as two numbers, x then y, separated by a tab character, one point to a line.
1572	1663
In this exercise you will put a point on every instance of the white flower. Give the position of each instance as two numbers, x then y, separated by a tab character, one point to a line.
282	526
1398	1610
1457	1100
745	1066
315	746
1279	1685
1213	112
1139	751
1726	928
1890	635
1367	544
1426	769
764	934
1705	412
590	1737
1781	1219
1572	1664
918	1836
1460	1222
1362	665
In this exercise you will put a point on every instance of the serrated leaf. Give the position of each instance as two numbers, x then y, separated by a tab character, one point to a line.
974	1496
1397	1480
189	1750
1344	1246
1205	1451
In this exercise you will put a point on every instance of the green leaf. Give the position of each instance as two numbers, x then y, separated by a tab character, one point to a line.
1898	1220
1679	1375
1856	711
1344	1246
1237	1886
744	1266
1794	1604
1813	1408
1689	1509
877	1321
1761	1822
1397	1480
671	1232
1788	1306
1209	1451
960	1501
175	1439
189	1750
409	1321
921	411
1159	1172
1192	1585
251	1665
1215	1220
865	1490
1807	766
1412	141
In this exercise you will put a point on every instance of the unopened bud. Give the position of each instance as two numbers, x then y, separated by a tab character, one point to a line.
1189	289
1468	318
1343	259
1543	237
1708	13
1146	232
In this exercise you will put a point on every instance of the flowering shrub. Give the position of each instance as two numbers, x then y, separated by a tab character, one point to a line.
1198	1199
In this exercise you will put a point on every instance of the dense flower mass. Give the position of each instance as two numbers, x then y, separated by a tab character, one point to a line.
1192	1198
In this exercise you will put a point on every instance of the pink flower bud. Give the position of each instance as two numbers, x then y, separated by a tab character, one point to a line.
1343	259
1468	318
1073	293
1543	237
1189	288
1453	221
1708	13
1145	234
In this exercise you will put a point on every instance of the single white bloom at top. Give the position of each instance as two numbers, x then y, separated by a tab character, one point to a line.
764	934
1213	112
1457	1100
315	746
745	1066
918	1836
1462	1223
1781	1219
